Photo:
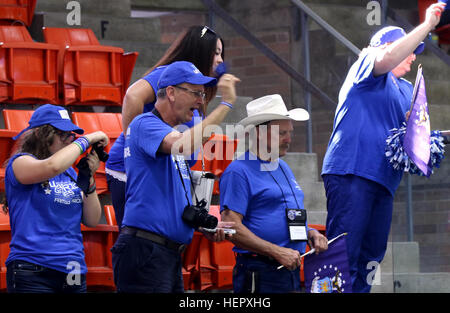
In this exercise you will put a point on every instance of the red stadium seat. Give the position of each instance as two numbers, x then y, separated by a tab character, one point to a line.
5	238
6	146
218	153
110	215
222	258
111	125
15	121
13	11
28	71
97	243
91	74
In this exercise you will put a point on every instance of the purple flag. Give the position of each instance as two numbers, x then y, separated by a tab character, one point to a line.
328	271
417	137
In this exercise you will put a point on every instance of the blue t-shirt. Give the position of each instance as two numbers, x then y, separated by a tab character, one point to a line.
261	197
369	107
155	195
45	221
115	161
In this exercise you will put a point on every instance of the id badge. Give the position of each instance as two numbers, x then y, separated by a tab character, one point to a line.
296	219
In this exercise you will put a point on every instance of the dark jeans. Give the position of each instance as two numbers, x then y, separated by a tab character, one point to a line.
25	277
142	266
253	275
363	209
117	189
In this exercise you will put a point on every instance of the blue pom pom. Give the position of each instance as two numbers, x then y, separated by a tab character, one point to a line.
398	158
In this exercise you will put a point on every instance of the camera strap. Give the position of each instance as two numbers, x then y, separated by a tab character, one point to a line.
158	115
182	181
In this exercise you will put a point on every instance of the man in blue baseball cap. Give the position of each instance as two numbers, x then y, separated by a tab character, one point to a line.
155	226
359	181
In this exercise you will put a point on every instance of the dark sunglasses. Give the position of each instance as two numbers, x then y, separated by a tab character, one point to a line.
64	135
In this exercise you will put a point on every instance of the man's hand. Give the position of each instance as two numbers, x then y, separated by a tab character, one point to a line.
317	241
288	257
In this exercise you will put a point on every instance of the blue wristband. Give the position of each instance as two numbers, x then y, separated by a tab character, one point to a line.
82	143
227	104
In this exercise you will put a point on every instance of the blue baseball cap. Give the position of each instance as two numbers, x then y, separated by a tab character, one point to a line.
54	115
183	72
390	34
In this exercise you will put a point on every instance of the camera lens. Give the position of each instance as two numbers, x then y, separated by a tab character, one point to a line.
210	222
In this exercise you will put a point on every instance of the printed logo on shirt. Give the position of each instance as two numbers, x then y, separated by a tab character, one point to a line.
126	152
63	192
178	160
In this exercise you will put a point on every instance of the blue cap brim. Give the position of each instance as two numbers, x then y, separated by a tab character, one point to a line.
202	80
62	125
67	126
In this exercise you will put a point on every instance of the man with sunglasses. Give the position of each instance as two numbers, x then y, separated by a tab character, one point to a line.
147	254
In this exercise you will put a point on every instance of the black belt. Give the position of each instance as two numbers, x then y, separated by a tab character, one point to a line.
256	256
153	237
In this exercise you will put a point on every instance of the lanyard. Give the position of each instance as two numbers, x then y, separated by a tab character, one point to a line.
281	189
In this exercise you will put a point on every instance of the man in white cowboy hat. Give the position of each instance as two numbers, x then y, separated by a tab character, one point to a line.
266	204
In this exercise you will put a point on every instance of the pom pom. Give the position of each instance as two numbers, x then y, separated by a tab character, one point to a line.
400	161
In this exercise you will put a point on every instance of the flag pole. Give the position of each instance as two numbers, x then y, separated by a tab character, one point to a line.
314	250
416	86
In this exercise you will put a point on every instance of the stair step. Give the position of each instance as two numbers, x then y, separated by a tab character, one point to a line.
413	283
303	165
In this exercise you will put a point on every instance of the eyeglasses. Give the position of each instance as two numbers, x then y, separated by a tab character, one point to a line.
66	135
205	29
198	94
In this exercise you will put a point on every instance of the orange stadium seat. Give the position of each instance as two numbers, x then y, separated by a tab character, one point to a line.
218	153
97	243
15	121
5	238
111	125
222	258
110	215
13	11
91	74
28	70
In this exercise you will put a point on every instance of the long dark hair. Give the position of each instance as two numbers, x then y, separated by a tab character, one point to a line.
197	45
37	142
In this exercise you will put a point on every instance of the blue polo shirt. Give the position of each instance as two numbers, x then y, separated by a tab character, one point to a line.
261	197
369	107
155	195
45	221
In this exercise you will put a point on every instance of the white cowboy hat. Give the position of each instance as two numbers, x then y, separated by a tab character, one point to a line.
269	108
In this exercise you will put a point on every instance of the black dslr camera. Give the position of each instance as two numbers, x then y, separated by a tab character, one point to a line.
197	216
84	173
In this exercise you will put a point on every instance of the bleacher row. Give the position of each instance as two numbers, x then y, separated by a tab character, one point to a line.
71	68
